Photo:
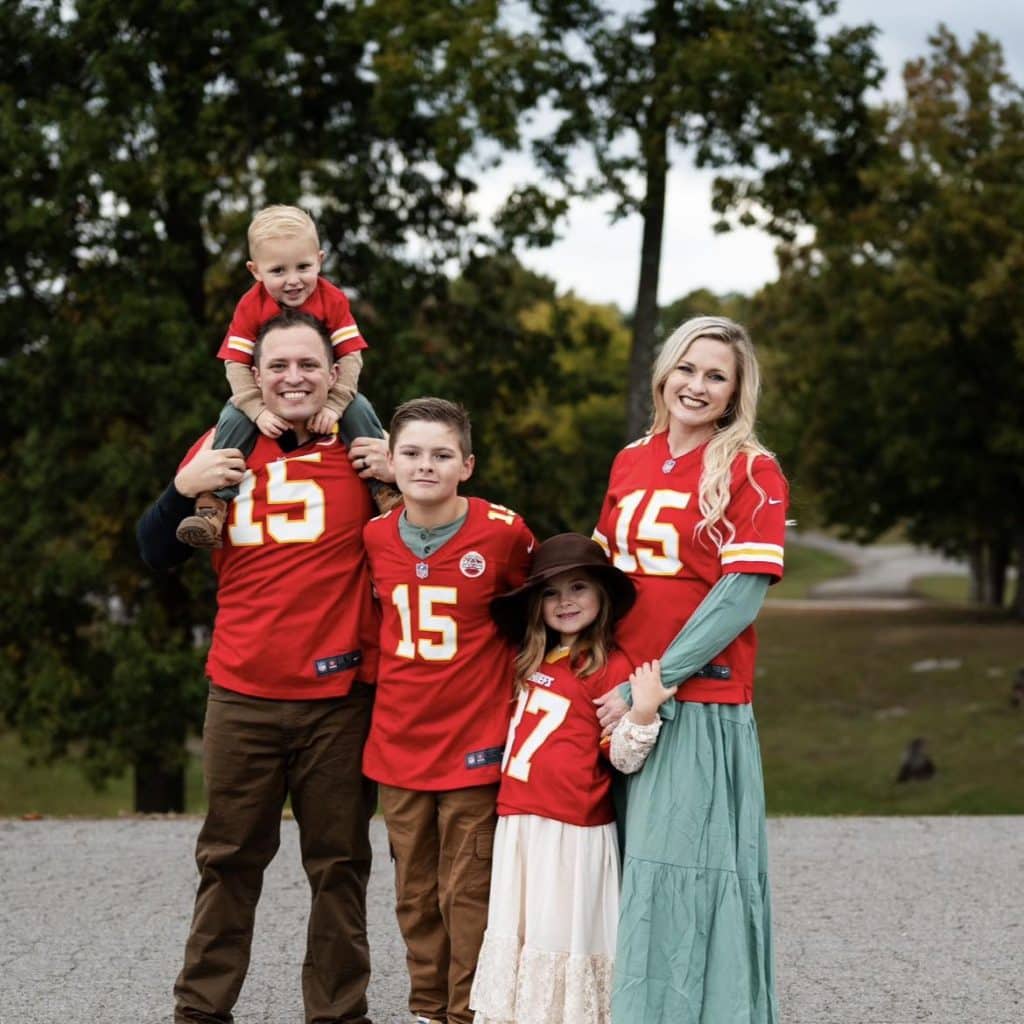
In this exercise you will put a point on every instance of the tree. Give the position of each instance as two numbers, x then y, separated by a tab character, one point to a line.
745	84
136	139
901	328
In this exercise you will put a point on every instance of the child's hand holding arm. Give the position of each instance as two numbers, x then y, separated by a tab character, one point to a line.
648	693
634	736
270	424
323	421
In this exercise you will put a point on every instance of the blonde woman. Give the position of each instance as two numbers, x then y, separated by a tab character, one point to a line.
695	516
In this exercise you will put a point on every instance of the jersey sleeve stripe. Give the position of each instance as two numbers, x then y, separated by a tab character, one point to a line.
345	333
602	540
769	553
240	344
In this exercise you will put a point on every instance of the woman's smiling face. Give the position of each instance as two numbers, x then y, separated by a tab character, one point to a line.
701	386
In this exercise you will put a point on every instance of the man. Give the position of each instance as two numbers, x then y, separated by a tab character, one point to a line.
292	656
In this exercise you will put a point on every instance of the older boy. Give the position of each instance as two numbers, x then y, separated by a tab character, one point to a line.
444	693
285	259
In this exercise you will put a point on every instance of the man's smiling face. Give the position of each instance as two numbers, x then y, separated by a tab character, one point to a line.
294	373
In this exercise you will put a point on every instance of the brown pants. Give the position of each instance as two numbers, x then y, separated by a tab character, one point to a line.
441	844
255	754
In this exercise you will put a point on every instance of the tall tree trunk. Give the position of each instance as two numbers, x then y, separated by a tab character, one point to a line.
976	564
645	319
998	561
1017	605
159	788
654	143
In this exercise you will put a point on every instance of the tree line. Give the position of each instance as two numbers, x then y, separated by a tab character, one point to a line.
137	139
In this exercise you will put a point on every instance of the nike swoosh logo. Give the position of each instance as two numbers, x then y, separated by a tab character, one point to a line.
774	501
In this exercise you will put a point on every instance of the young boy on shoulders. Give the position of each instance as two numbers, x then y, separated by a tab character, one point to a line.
285	259
443	696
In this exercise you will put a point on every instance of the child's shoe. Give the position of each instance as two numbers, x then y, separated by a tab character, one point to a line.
385	496
203	530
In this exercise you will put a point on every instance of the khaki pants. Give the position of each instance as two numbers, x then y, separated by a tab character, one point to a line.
441	844
255	754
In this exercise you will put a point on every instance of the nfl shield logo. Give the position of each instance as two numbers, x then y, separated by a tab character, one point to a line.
422	570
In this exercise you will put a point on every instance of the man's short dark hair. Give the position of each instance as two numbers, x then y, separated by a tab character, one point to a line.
433	410
292	318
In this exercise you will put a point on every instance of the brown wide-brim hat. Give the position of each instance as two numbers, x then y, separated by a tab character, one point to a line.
562	553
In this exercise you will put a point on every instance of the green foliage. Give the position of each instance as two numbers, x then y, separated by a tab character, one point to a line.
900	329
542	376
750	86
136	139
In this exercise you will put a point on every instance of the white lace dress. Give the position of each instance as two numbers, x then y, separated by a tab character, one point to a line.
549	949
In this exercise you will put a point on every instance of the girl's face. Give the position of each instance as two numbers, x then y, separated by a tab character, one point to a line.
570	602
699	389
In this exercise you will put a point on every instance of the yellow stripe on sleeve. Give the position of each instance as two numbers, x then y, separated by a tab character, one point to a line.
771	553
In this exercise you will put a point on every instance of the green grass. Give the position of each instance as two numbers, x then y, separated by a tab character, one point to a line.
949	588
806	567
837	702
28	786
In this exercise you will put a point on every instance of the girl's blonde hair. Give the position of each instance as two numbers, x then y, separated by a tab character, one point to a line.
280	222
590	648
734	433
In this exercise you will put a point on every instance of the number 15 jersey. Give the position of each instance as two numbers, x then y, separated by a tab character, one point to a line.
648	526
443	693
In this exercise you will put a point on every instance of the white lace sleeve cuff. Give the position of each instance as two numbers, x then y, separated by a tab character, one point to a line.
631	743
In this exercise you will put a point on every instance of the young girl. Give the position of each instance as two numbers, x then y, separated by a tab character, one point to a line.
547	955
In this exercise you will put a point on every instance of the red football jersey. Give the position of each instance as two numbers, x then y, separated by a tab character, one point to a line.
296	618
553	765
443	690
648	527
256	307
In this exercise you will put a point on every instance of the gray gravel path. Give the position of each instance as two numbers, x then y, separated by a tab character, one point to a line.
877	920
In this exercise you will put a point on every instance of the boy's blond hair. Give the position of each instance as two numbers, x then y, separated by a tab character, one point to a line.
280	222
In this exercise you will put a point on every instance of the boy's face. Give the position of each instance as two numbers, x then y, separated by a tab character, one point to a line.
428	462
288	268
295	372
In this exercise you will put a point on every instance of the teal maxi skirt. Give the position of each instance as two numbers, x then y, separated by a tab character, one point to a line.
694	940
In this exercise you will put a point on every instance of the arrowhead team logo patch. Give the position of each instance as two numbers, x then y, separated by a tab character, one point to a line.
472	564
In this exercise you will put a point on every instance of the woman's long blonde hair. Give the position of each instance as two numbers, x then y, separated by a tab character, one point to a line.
734	433
589	651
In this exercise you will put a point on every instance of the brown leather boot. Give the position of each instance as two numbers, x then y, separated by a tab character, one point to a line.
203	530
385	497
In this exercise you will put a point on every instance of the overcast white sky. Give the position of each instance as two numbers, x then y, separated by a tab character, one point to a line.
599	261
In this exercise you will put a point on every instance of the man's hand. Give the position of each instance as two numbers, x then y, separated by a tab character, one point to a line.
210	469
610	708
369	456
270	424
323	422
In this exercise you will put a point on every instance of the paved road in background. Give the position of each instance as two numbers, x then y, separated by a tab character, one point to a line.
877	921
879	570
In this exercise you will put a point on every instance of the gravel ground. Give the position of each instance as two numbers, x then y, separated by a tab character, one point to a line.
877	921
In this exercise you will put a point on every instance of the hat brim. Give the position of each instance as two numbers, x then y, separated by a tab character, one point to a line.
509	611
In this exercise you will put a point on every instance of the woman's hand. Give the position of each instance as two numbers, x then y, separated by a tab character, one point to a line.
610	708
